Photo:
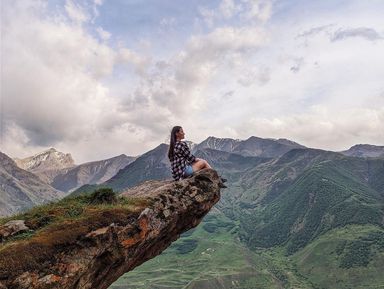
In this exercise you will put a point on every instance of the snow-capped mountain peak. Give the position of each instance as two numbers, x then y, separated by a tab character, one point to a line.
46	160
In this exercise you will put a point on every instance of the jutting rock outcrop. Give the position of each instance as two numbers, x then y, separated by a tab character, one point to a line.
116	243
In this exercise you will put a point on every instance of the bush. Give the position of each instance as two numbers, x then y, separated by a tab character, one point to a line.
186	246
210	227
103	196
358	255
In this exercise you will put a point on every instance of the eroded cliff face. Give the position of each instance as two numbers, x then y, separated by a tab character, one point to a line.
98	257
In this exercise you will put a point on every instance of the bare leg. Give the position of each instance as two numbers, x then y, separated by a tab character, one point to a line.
200	164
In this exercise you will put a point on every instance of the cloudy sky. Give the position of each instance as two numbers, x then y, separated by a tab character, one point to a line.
99	78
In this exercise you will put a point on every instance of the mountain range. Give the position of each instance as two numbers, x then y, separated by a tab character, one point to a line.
49	176
59	170
290	216
253	146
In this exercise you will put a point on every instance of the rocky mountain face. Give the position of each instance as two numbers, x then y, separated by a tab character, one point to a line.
220	144
93	251
365	150
46	164
21	189
153	165
90	173
59	170
252	146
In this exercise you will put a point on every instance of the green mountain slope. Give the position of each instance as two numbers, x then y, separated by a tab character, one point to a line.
349	257
324	197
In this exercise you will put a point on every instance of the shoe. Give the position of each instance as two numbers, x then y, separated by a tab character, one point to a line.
221	185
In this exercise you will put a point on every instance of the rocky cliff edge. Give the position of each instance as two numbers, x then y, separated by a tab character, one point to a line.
94	251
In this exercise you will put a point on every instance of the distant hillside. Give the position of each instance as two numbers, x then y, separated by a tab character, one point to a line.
153	165
90	173
326	196
365	150
271	199
20	189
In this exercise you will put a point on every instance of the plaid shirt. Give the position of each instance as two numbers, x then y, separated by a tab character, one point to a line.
182	157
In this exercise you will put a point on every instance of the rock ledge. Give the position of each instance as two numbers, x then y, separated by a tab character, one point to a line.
101	256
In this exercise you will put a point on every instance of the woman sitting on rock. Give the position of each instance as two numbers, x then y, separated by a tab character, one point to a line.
183	163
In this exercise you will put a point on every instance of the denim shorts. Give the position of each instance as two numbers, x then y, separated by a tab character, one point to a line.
188	171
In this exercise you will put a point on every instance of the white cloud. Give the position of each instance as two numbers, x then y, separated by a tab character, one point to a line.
208	15
244	10
321	127
68	89
254	75
53	90
104	35
302	72
141	63
76	12
258	10
228	8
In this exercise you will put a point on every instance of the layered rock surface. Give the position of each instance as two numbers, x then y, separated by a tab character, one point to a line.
47	164
20	189
96	172
96	258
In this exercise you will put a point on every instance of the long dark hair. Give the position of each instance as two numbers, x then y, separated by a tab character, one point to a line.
172	142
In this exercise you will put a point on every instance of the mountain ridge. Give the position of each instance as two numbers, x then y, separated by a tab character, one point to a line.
253	146
21	189
90	173
365	150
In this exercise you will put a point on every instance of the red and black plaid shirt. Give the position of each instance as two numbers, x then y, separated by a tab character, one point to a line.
181	158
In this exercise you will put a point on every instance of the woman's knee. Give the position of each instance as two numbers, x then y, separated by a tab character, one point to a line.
207	165
198	165
204	164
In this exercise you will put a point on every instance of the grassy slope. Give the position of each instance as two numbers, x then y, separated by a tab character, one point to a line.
324	197
321	261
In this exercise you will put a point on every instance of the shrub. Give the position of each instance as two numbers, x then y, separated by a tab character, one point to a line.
103	196
186	246
210	227
358	255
